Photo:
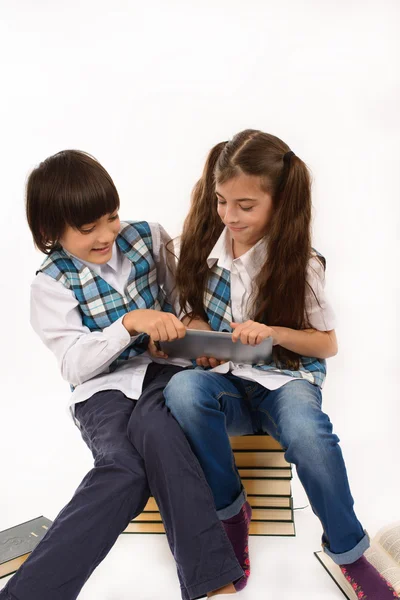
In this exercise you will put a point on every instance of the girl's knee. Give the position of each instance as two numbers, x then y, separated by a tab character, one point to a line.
186	393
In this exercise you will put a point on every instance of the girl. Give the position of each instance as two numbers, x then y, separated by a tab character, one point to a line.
97	298
247	266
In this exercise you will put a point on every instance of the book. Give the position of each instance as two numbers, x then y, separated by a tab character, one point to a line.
259	514
262	473
267	487
383	554
256	528
260	458
270	501
16	543
254	442
254	501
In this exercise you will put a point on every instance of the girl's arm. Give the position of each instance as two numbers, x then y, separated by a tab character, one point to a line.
307	342
195	323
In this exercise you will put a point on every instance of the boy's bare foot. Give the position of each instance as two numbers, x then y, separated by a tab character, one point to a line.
227	589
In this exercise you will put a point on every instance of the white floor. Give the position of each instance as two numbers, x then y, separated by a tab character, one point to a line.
140	567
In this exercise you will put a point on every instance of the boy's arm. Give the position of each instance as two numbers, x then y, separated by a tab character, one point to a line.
56	318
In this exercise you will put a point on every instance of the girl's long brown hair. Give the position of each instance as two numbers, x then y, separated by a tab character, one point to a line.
280	287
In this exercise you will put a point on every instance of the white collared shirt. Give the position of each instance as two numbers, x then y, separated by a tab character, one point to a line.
244	270
83	356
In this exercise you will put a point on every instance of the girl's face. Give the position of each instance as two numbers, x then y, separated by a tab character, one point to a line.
245	208
92	242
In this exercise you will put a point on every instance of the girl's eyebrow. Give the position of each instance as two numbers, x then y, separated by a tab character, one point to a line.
239	199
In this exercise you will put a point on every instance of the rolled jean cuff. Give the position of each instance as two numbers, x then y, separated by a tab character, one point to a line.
346	558
234	508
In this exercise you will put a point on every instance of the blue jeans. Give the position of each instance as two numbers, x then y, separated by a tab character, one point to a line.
210	406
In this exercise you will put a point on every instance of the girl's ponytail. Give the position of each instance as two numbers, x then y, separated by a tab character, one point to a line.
201	229
282	282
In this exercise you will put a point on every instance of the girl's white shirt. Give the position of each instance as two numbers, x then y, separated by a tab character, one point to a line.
243	272
83	355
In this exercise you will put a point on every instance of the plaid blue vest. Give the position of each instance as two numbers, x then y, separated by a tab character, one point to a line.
217	305
100	304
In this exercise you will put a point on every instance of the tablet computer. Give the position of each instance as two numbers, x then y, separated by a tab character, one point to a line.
219	345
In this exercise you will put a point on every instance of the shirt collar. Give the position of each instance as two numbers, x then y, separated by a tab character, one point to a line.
113	263
252	260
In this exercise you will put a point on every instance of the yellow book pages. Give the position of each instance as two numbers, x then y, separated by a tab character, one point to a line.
267	487
272	514
134	527
254	442
266	473
151	505
263	458
12	565
259	514
271	528
269	501
254	501
148	516
256	528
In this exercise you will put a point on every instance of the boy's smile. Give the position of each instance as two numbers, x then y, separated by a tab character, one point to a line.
92	242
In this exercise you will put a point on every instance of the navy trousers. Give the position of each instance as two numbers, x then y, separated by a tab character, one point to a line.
130	463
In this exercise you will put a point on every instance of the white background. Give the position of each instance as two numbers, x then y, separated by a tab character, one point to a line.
149	88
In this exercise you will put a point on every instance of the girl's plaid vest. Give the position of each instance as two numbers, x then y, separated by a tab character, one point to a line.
100	304
217	305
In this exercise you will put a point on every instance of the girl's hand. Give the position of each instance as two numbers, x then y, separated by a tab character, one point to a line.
253	333
208	361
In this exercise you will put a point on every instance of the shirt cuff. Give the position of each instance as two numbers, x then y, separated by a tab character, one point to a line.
119	335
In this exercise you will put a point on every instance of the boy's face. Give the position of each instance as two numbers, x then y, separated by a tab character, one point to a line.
92	242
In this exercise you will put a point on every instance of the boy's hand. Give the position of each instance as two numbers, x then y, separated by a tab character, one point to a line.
160	326
252	333
155	351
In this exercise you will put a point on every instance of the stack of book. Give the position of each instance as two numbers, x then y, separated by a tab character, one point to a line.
266	477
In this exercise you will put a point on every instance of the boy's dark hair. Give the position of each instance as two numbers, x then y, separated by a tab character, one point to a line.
68	188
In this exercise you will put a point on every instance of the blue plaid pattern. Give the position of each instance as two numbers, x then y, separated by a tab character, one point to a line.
217	304
99	303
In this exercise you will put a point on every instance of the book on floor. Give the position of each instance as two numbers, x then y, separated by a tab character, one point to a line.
383	554
16	543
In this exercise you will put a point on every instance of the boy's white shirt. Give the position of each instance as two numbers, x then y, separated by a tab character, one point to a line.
83	355
243	272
